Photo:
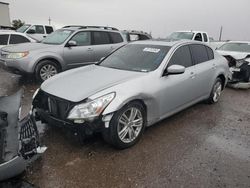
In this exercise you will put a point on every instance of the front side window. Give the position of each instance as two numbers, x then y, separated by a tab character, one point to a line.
57	37
37	28
49	29
82	38
198	37
4	39
100	37
182	57
17	39
136	57
199	53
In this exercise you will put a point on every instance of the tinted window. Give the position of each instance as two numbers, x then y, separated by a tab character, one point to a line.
100	38
16	39
48	29
136	57
182	57
198	37
199	53
210	53
205	37
115	37
4	39
82	38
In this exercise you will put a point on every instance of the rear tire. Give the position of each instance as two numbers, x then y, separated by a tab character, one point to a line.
216	92
126	126
45	70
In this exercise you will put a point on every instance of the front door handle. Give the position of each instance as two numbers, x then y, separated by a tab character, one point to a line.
192	75
90	49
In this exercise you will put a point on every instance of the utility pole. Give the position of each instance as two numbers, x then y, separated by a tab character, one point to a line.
221	29
49	20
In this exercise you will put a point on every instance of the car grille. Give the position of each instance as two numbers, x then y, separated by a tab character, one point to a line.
28	136
56	107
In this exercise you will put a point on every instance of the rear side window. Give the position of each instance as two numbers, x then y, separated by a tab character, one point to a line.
17	39
82	38
182	57
4	39
48	29
116	37
210	53
205	37
100	37
199	53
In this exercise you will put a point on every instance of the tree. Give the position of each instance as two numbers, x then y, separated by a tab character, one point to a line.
17	23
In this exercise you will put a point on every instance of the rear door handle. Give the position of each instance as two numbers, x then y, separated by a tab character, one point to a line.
214	66
90	49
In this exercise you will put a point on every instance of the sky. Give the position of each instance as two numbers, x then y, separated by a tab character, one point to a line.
160	17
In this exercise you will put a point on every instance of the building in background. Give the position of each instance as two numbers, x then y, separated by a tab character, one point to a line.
4	16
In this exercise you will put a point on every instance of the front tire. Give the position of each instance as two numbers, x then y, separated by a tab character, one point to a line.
126	126
45	70
216	92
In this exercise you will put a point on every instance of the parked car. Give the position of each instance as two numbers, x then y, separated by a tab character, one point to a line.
19	139
136	86
38	32
190	35
69	47
8	37
238	55
133	35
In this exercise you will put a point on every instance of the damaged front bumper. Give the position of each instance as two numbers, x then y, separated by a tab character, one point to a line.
19	140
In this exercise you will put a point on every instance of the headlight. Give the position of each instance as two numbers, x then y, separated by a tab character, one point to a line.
91	109
17	55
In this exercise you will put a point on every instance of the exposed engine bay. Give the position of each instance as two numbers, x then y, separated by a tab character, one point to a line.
19	139
239	72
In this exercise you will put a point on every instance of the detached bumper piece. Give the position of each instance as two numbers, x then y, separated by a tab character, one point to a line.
19	140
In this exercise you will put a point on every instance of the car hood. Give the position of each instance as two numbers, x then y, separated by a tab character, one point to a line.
25	47
78	84
235	55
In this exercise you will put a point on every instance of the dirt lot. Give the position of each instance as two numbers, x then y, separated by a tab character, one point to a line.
203	146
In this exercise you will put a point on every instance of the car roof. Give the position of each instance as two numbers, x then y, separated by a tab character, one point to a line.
192	31
80	27
244	42
166	42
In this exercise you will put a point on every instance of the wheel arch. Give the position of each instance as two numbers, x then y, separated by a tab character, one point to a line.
55	60
223	79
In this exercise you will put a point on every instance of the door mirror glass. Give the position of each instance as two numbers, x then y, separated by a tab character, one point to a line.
72	43
175	69
31	31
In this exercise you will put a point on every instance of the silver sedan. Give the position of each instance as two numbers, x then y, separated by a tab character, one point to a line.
134	87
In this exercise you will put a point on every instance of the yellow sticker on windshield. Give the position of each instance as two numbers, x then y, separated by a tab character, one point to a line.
153	50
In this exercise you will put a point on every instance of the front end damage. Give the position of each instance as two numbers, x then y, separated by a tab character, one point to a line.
19	140
239	77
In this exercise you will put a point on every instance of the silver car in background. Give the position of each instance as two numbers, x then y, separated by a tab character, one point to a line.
136	86
69	47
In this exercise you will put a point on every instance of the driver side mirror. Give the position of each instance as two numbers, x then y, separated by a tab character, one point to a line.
31	31
174	69
71	43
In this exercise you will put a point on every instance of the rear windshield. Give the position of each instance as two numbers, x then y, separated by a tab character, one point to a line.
57	37
136	57
237	47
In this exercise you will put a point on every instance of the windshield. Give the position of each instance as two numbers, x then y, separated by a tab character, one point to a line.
58	37
236	47
182	35
136	57
23	28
